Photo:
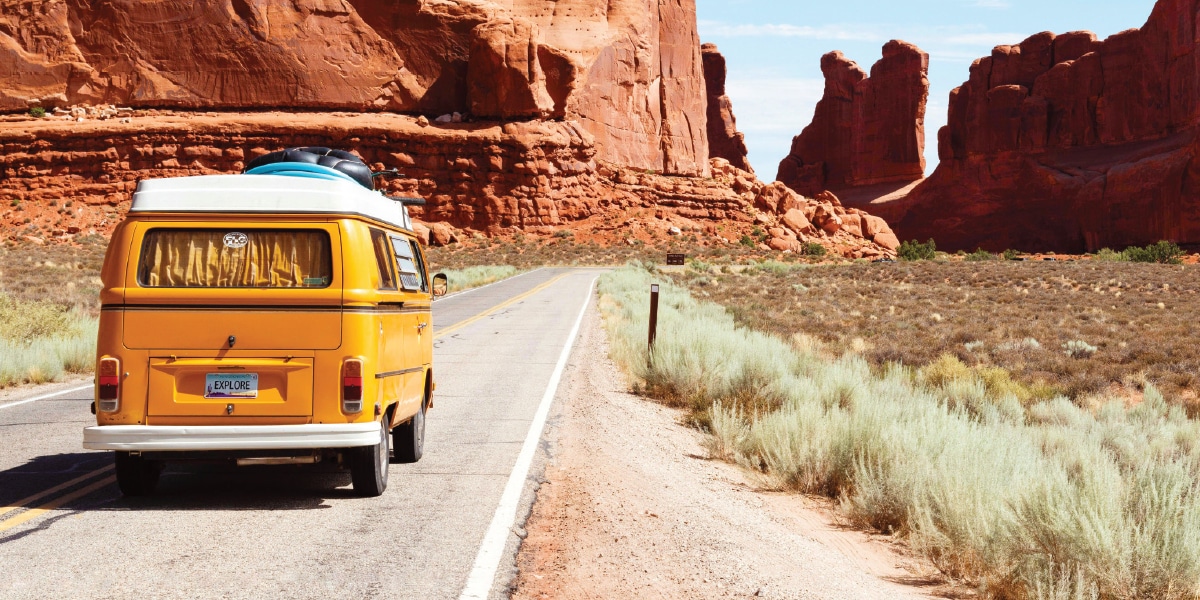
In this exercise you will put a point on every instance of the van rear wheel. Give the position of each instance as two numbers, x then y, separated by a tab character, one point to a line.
409	438
369	465
137	476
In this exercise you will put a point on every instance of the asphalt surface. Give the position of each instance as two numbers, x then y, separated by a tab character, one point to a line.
213	531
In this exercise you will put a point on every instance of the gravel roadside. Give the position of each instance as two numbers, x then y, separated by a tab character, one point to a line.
630	505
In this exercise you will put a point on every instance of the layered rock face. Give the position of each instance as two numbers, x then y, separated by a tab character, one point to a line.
724	140
866	130
63	177
1071	144
629	71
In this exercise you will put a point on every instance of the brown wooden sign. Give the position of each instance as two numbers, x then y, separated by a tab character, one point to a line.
676	260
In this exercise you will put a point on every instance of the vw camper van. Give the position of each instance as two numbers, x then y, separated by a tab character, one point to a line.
280	316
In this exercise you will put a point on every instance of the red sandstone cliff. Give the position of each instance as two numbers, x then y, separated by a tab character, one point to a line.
724	140
629	71
1069	144
866	130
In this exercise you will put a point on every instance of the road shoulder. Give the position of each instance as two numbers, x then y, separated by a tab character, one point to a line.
631	505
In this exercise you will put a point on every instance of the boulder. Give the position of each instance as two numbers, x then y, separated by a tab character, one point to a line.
441	234
796	221
785	244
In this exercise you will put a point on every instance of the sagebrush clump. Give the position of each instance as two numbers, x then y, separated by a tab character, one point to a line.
914	250
40	341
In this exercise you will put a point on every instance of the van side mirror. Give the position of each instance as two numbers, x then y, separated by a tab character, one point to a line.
441	285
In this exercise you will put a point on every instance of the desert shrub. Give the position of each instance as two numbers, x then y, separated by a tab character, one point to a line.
981	255
814	249
37	112
1050	502
1110	255
747	241
23	322
40	341
1010	254
914	250
1163	252
473	277
1079	349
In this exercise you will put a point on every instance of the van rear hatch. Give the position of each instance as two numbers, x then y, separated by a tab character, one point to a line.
203	295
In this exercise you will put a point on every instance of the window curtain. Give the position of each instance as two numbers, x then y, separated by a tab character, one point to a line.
263	259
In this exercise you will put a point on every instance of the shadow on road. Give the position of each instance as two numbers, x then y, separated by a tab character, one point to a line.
45	472
183	487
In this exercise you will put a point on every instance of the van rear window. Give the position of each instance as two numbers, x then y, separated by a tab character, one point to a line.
226	258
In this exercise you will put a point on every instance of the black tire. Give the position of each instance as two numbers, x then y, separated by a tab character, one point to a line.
408	439
137	476
339	160
369	465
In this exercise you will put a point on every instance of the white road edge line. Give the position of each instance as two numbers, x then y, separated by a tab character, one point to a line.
483	573
475	289
36	398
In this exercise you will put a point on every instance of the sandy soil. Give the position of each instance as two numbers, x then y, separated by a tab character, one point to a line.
631	506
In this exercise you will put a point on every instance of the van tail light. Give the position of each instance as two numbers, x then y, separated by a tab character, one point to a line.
352	386
108	385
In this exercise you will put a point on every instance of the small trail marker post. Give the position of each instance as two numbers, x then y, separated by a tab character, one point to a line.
653	318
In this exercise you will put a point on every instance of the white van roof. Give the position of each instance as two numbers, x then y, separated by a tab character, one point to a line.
266	194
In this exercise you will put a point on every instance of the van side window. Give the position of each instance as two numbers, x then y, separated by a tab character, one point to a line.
387	276
421	271
406	262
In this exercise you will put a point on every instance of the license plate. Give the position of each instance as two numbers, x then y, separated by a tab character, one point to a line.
231	385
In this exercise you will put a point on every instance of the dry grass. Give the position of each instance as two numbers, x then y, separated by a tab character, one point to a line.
1035	321
62	275
1044	501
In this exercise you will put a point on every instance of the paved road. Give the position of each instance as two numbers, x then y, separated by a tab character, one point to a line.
296	532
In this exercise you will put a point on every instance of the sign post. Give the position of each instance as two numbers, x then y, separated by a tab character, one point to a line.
653	315
676	260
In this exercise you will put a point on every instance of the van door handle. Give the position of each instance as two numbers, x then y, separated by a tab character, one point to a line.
422	326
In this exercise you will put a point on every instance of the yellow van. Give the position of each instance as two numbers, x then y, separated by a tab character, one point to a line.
281	316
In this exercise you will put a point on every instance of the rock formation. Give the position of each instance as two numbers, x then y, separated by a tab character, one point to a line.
866	130
724	140
1071	144
629	71
73	173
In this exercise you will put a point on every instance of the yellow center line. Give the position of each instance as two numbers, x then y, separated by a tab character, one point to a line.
34	513
455	327
23	502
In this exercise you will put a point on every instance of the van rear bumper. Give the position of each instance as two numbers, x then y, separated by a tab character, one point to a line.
139	438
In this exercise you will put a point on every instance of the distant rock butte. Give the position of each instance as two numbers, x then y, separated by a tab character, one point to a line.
1066	143
629	71
866	131
724	140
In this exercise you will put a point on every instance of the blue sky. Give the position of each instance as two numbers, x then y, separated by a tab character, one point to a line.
774	50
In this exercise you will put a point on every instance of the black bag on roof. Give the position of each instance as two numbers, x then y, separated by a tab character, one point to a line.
338	160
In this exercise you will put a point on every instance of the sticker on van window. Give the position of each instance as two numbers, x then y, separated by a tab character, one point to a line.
236	239
319	281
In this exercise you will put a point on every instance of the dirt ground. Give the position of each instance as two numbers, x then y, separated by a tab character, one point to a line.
632	506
